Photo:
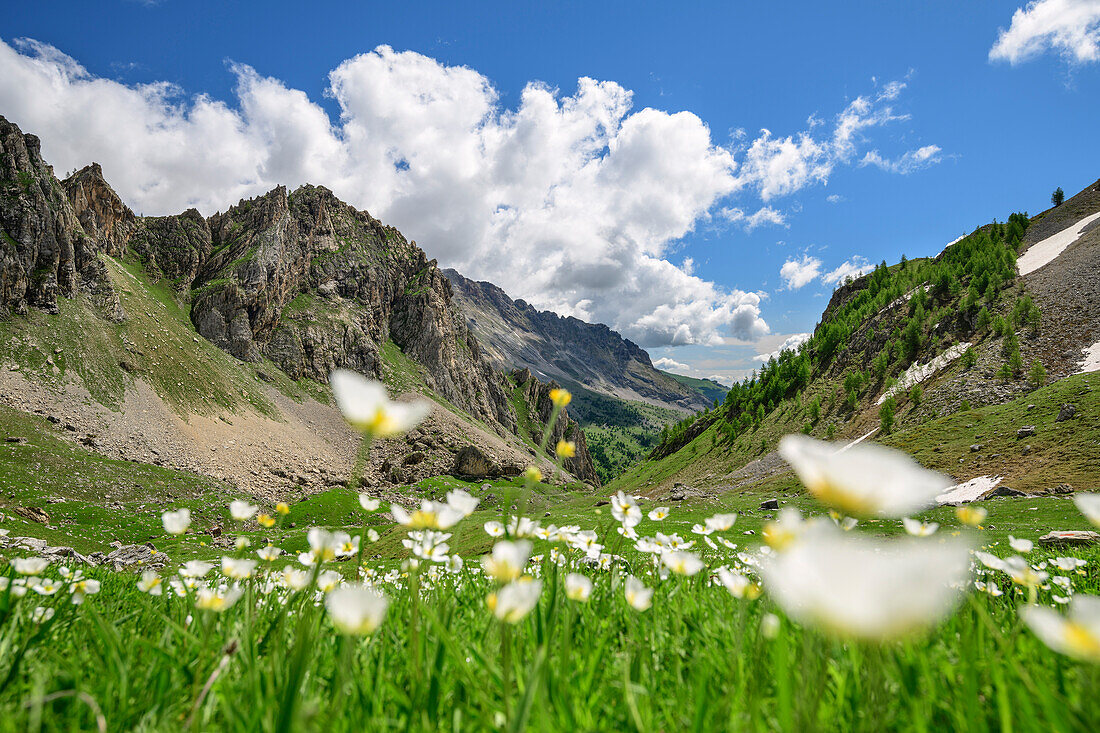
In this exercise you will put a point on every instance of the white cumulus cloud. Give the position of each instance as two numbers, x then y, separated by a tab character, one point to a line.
800	272
1070	28
671	365
572	201
852	268
791	344
908	162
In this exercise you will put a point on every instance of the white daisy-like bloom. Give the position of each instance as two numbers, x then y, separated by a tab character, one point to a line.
356	609
176	522
430	515
658	513
45	586
150	583
700	529
329	580
242	542
522	527
629	532
42	614
720	522
367	407
1089	505
82	588
1020	545
1069	564
237	568
195	569
1022	573
507	560
515	600
217	599
919	529
30	565
637	594
787	527
863	480
738	585
369	503
241	510
295	579
270	553
990	560
372	534
867	588
455	564
578	587
625	509
462	501
494	529
1076	635
682	563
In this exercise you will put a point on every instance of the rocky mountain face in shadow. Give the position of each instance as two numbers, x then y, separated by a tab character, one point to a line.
569	350
300	278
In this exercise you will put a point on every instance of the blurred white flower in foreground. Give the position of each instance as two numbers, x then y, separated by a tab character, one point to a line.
176	522
682	563
1020	545
507	561
918	528
515	600
867	588
369	503
30	565
430	515
577	587
865	480
356	609
242	511
637	594
368	408
1077	635
1089	504
210	599
195	569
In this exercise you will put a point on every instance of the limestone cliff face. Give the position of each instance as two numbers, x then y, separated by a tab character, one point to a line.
44	251
537	396
102	214
517	336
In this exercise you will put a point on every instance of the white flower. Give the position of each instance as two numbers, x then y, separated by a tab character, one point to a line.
295	579
787	527
919	529
150	583
1089	504
242	542
1022	573
195	569
430	515
30	565
864	480
82	588
462	501
176	522
864	587
237	568
41	614
721	522
577	587
625	509
514	601
507	561
242	511
769	626
1069	564
372	534
1076	636
369	503
210	599
682	563
328	580
46	587
356	609
989	560
368	408
658	513
637	594
494	529
1020	545
700	529
738	585
269	553
629	532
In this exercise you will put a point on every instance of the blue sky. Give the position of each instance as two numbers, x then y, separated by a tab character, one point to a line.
983	137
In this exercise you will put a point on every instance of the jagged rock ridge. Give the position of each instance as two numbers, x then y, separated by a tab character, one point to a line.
517	336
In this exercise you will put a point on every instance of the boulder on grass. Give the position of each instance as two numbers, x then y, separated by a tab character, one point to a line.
1065	538
471	462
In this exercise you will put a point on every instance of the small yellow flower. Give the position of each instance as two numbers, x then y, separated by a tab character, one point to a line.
266	520
560	397
282	508
533	473
971	515
566	449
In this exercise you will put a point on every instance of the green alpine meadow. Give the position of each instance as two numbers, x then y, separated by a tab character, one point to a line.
509	366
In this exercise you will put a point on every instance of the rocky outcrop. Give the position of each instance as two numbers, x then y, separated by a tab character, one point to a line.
173	247
44	251
536	395
102	214
566	349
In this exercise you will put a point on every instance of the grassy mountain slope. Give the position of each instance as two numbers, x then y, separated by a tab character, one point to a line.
710	389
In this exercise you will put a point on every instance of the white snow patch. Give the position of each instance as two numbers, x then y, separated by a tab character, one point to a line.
858	440
920	372
1045	251
1091	362
953	241
969	491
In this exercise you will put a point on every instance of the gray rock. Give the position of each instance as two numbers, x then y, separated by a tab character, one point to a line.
770	504
471	462
975	448
1001	491
1066	412
1069	537
1026	431
414	458
131	557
